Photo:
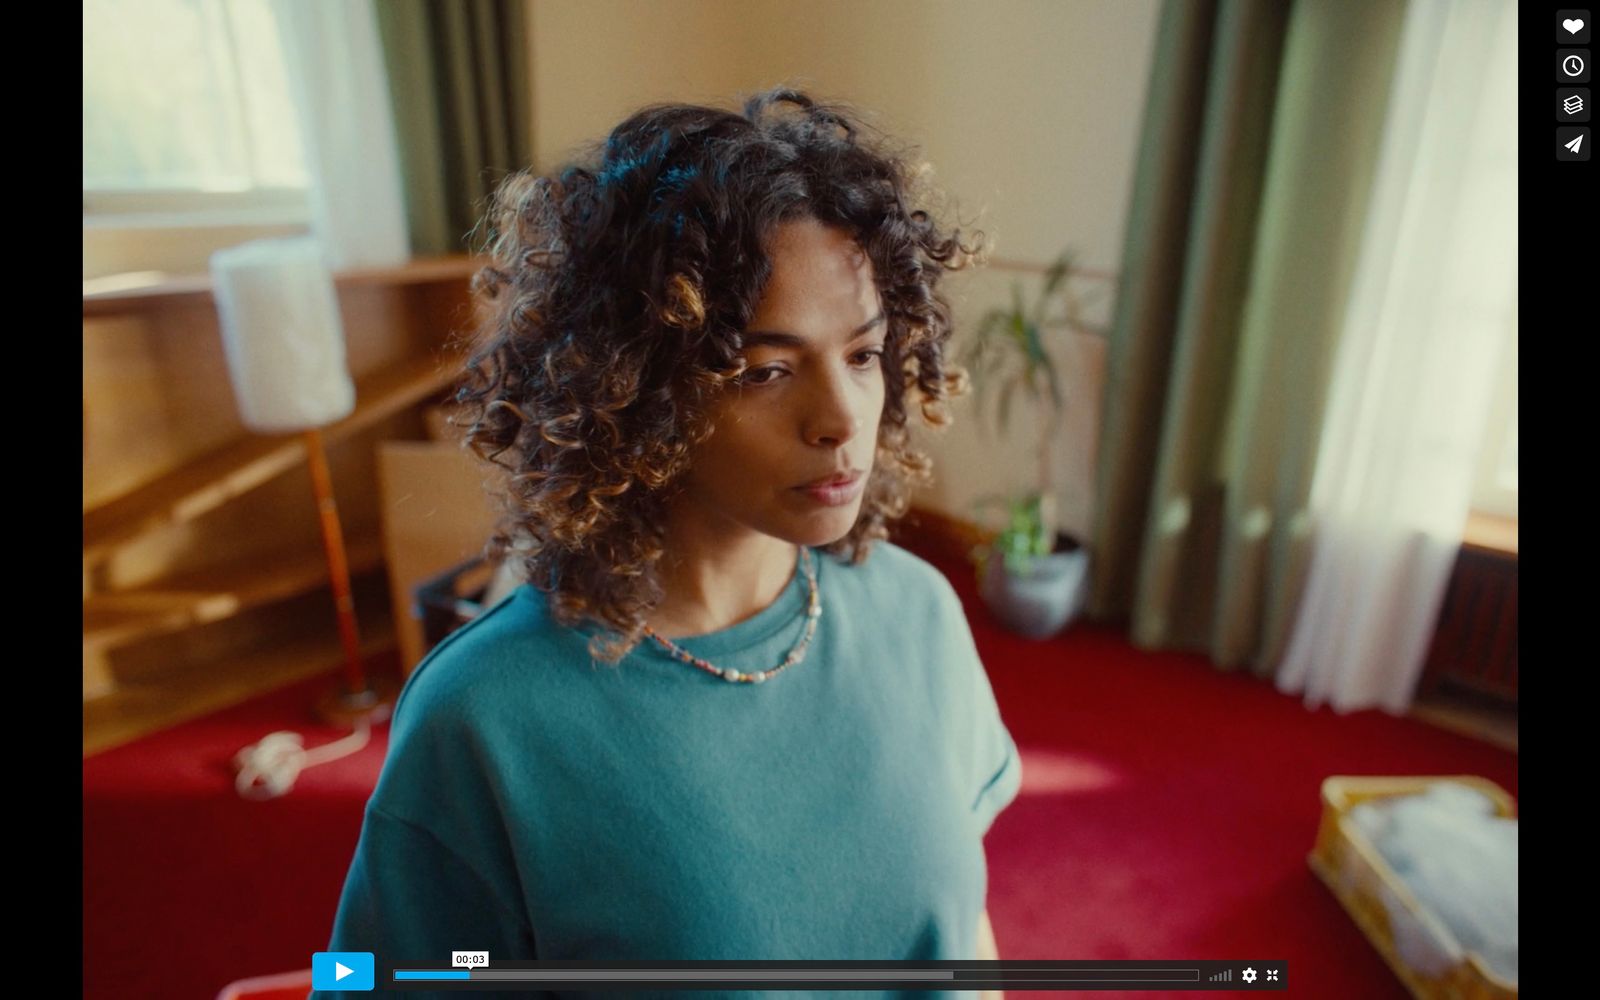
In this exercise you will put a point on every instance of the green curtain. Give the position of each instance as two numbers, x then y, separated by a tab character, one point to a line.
1259	142
460	87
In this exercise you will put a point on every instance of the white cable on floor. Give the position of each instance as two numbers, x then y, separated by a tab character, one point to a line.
269	768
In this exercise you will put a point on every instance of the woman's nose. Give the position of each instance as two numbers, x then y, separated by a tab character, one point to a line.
834	417
841	436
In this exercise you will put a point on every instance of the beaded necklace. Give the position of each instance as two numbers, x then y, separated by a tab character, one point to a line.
798	653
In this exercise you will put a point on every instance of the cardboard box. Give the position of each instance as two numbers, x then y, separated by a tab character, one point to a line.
436	512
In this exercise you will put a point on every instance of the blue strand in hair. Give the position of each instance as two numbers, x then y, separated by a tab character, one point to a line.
678	178
674	179
626	164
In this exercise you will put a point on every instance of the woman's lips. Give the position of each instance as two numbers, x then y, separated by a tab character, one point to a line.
834	495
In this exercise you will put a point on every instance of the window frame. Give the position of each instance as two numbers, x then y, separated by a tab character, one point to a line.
195	209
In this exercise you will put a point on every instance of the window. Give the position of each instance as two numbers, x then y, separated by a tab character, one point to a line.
187	116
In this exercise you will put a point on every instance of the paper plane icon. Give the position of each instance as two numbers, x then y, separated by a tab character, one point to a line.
1575	144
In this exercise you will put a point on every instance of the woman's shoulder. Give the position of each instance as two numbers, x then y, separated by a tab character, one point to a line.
468	716
895	573
495	657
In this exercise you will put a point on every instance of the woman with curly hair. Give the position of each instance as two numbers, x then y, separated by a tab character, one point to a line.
723	717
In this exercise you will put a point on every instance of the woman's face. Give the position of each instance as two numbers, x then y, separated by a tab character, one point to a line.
809	403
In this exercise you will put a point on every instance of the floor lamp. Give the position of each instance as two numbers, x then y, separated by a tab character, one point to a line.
285	347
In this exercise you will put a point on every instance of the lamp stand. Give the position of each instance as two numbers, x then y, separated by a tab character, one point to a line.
357	700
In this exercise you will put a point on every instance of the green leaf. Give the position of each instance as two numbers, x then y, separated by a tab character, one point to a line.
1017	332
1034	345
1052	280
1057	273
1022	540
995	367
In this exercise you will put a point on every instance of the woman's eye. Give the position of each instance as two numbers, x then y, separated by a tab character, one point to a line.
766	376
757	376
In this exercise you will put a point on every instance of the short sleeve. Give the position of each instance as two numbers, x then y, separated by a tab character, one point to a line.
410	898
992	766
431	872
1002	787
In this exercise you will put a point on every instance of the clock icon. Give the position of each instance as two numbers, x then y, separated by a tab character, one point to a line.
1572	65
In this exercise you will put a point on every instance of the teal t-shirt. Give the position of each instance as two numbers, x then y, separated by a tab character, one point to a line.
538	806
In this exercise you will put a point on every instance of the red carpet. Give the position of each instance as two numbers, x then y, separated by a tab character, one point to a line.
188	887
1166	812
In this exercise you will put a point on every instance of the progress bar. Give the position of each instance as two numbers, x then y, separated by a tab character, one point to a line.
1053	975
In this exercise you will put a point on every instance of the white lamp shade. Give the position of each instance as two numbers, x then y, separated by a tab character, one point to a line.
282	334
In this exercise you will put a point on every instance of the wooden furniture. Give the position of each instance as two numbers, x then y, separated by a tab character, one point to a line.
189	519
436	514
1474	648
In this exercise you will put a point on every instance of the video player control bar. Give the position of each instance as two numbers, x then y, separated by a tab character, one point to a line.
1014	975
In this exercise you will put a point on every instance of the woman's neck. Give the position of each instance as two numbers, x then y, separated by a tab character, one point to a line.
712	584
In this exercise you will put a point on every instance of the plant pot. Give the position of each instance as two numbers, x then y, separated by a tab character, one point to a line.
1044	600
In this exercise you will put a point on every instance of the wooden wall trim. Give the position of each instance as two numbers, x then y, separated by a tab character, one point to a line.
122	293
1491	533
948	537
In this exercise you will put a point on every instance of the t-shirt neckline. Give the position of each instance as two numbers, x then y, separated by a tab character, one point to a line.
780	618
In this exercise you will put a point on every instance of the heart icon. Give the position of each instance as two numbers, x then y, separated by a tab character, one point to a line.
1573	25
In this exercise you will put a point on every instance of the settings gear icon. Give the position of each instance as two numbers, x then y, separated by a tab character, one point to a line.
1249	975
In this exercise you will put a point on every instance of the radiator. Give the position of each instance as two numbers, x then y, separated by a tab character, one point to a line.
1474	647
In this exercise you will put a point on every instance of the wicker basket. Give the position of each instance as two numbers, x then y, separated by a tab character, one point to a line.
1422	952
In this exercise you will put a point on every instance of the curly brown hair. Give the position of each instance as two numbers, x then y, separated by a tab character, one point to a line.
611	317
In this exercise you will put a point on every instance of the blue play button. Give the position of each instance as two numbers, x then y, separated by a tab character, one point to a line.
341	970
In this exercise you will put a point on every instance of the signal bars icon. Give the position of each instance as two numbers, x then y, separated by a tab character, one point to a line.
1225	976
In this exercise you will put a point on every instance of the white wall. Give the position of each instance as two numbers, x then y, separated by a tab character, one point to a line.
1028	110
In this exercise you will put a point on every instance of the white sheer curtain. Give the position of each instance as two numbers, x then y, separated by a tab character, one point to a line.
341	93
1432	302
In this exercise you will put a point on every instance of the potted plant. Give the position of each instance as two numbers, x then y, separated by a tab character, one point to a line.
1032	576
